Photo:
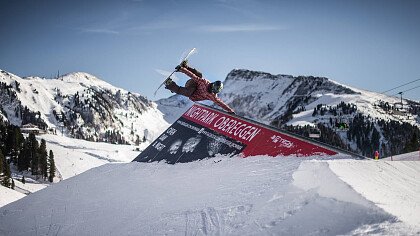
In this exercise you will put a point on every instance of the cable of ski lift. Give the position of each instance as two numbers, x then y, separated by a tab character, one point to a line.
400	86
406	90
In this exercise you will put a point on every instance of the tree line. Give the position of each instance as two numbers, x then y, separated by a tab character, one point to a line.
26	154
362	134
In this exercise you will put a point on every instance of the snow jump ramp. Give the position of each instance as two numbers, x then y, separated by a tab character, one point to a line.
203	131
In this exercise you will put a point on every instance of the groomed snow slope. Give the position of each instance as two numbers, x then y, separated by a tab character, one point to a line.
392	185
8	195
219	196
411	156
74	156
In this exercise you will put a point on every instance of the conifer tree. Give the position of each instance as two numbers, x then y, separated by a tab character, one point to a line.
1	163
42	154
33	153
13	142
412	144
6	171
51	167
24	160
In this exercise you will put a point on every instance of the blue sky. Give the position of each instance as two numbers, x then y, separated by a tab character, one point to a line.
367	44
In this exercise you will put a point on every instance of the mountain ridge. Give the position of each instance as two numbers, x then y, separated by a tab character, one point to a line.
84	105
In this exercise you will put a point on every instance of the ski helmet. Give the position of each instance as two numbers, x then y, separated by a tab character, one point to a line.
217	86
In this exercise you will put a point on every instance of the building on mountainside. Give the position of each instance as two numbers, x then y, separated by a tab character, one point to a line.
31	128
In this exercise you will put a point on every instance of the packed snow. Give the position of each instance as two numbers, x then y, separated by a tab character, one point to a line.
411	156
72	157
75	156
392	185
218	196
8	195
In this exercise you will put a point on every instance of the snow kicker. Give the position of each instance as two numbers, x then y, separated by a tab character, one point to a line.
203	132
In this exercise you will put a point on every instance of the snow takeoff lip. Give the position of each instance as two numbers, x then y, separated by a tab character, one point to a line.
202	132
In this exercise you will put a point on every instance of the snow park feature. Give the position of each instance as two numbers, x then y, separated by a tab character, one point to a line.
203	131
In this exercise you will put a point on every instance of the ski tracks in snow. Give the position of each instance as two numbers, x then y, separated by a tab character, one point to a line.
216	221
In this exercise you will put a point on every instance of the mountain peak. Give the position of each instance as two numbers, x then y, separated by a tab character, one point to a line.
79	77
249	75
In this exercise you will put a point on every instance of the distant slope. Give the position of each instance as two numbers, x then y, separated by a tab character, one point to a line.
87	107
173	107
267	97
410	156
73	156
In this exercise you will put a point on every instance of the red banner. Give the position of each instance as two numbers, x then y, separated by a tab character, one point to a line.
259	140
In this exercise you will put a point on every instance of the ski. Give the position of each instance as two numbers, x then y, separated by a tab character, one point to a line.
191	52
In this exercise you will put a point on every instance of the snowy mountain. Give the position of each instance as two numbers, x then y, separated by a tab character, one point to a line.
288	102
173	107
80	105
268	97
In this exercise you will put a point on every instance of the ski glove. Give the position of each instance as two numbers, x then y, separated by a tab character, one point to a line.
184	64
168	81
172	86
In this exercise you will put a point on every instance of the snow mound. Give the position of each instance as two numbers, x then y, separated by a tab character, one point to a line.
392	185
219	196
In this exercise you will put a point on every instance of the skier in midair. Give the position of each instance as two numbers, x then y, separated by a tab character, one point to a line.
197	88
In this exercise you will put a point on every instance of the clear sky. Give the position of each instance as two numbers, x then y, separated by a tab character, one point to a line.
374	45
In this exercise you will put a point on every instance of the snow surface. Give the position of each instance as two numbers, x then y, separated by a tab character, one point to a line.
72	157
411	156
8	195
393	186
30	186
75	156
251	196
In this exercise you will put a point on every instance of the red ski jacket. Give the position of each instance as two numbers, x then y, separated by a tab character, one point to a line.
202	91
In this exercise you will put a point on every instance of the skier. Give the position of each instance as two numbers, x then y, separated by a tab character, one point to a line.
376	155
197	88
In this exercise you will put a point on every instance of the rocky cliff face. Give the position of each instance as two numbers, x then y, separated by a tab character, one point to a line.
267	97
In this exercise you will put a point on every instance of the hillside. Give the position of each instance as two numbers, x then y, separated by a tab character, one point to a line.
345	116
82	106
